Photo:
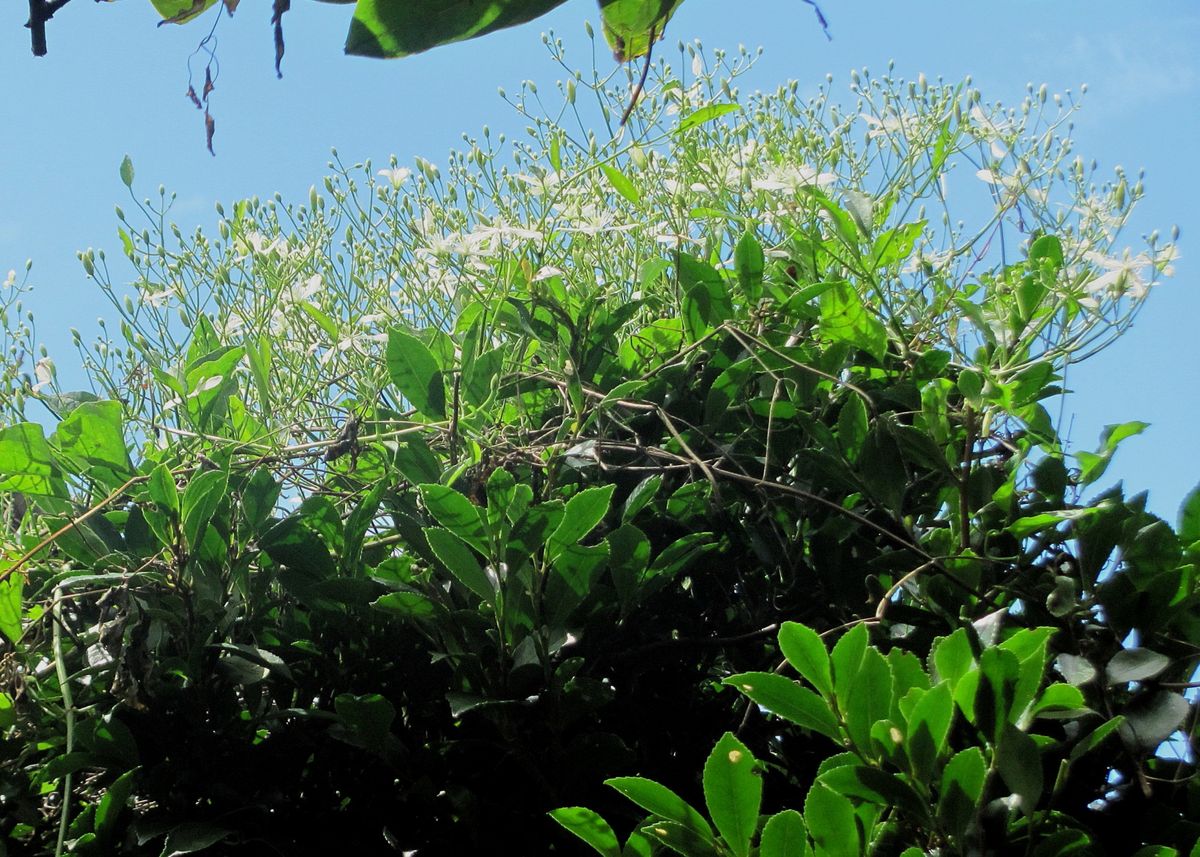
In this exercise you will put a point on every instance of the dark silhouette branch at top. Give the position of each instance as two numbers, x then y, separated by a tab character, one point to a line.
41	11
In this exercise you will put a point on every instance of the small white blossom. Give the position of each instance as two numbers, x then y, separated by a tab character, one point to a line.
396	175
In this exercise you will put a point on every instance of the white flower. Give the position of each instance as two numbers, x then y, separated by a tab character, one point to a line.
791	178
591	220
1122	276
259	245
396	175
43	370
11	280
546	272
301	291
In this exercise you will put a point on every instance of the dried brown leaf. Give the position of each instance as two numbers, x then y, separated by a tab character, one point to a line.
209	127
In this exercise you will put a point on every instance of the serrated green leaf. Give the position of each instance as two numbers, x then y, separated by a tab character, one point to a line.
415	372
460	562
806	652
785	835
787	699
661	801
733	792
589	827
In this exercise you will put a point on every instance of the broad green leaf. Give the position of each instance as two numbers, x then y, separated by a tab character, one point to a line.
661	801
367	719
1096	737
1020	765
91	434
706	114
457	514
643	493
806	652
845	318
26	464
1189	517
832	823
1150	719
163	491
573	576
962	787
1061	698
173	12
1093	465
873	785
628	24
201	498
866	698
1134	665
191	837
681	839
750	263
414	370
481	374
127	169
384	28
409	605
629	556
846	659
852	427
952	657
787	699
706	302
116	796
589	827
460	561
582	513
928	728
621	183
11	589
993	709
733	792
785	835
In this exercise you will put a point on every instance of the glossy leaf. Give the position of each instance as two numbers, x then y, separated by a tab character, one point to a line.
11	588
963	779
382	28
789	700
733	792
832	823
706	114
806	652
1134	665
661	801
457	514
460	561
204	493
589	827
413	368
785	835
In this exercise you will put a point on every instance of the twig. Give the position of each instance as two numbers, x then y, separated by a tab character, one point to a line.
41	11
637	90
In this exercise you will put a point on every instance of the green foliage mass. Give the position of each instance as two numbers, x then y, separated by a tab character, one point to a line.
709	466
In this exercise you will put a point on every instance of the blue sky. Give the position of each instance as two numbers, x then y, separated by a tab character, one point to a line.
114	83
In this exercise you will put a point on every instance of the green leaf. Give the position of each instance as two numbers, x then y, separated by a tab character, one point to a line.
628	24
409	605
789	700
928	728
384	28
589	827
26	463
846	659
11	588
845	318
1189	518
200	501
706	114
872	785
192	836
1134	665
163	491
681	839
456	513
1150	719
661	801
706	301
1096	737
629	556
414	370
574	573
481	374
127	172
962	787
832	823
461	562
867	698
1020	765
749	262
582	513
785	835
805	651
733	792
1093	465
622	184
852	427
367	719
952	657
91	434
643	493
116	796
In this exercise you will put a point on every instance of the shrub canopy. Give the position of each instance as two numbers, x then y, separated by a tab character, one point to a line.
400	518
